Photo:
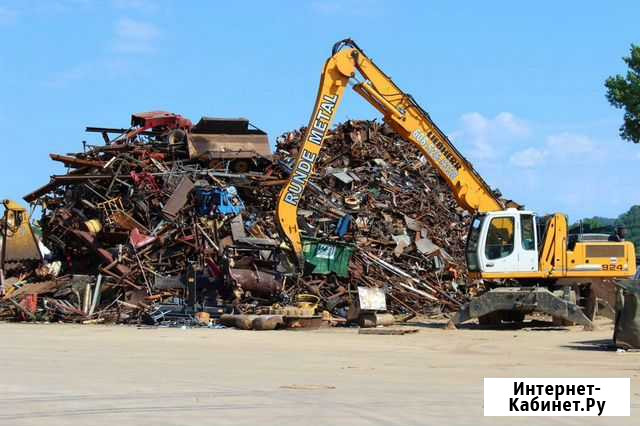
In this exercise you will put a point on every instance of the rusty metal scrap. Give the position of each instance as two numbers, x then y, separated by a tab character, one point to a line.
146	228
409	232
144	222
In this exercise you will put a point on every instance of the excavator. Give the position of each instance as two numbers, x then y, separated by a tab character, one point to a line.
19	246
525	261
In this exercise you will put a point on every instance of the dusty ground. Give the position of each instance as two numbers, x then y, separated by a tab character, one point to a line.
109	375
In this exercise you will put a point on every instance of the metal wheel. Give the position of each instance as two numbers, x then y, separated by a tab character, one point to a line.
493	319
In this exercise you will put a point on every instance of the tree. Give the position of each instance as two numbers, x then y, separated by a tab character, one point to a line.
591	225
624	92
631	221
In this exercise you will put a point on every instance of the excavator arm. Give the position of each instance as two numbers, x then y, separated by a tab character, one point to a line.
401	112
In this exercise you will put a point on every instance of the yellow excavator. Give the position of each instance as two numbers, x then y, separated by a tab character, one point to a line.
526	261
19	248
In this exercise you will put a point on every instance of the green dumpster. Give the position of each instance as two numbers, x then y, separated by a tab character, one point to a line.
328	256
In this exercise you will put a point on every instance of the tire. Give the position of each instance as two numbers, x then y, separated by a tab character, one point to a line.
513	316
492	319
561	322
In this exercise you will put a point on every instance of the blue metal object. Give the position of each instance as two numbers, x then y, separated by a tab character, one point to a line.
343	225
224	201
251	222
227	201
204	197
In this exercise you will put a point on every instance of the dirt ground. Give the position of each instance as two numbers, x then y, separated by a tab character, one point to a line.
57	374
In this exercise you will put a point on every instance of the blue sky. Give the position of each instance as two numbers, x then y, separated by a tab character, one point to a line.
517	85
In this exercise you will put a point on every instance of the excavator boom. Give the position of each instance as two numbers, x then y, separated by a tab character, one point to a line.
401	112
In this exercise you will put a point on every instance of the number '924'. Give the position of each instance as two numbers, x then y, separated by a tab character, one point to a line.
611	267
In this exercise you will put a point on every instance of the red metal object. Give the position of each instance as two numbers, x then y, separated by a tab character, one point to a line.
157	119
153	119
139	240
145	180
143	154
214	269
29	304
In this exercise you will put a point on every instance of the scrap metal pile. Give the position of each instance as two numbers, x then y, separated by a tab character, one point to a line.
168	219
374	190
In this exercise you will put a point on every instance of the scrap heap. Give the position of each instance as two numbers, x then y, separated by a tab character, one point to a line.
138	226
374	190
168	219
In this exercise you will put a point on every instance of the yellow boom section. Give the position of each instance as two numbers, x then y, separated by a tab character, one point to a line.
401	112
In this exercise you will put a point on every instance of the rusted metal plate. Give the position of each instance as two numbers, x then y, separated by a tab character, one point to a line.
36	288
237	228
178	198
228	146
125	221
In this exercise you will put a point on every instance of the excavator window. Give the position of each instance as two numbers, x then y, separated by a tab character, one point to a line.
527	235
472	244
500	238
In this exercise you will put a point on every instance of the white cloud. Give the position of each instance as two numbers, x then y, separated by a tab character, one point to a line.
132	36
560	145
514	125
483	133
569	143
524	159
528	158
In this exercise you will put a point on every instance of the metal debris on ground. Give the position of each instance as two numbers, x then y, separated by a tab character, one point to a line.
170	223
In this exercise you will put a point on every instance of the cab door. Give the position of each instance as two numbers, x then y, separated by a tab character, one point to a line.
528	244
499	253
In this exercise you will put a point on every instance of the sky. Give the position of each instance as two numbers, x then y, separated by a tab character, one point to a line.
518	86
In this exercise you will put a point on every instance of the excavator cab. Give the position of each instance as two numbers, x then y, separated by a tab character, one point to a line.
502	245
514	246
503	241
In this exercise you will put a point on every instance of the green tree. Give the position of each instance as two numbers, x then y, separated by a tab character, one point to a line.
595	225
624	93
631	221
591	225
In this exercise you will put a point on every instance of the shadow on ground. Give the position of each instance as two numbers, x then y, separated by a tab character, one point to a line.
603	345
532	325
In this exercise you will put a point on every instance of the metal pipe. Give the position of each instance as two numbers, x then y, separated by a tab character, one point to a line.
96	295
366	89
87	298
